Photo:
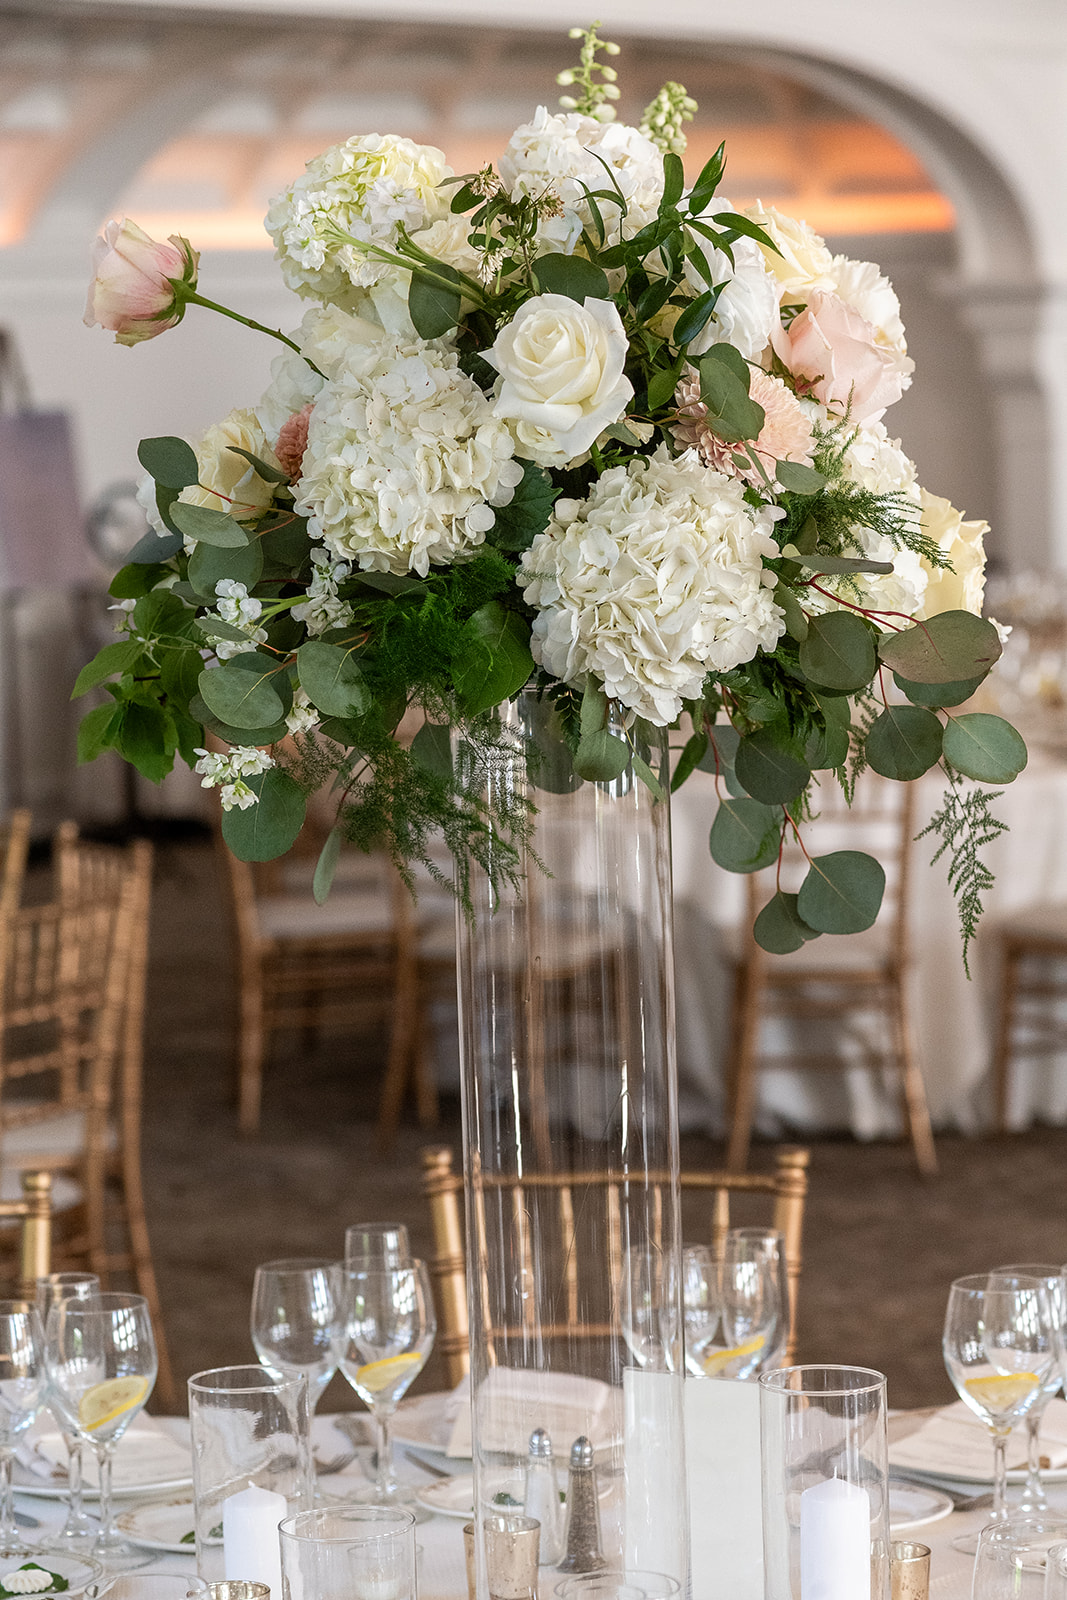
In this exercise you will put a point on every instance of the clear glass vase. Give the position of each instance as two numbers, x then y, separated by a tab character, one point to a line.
571	1144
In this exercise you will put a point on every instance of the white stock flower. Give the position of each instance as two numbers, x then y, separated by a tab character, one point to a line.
860	285
802	262
368	187
403	458
302	717
561	366
747	308
568	155
962	587
652	582
228	770
323	608
241	610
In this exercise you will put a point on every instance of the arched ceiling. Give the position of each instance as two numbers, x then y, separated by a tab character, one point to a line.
191	125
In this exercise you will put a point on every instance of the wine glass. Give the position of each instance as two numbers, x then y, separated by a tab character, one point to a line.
383	1244
701	1304
1034	1499
767	1245
22	1393
389	1328
297	1321
79	1530
1014	1560
751	1312
101	1367
648	1314
1001	1343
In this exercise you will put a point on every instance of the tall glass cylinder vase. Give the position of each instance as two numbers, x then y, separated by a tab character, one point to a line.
571	1136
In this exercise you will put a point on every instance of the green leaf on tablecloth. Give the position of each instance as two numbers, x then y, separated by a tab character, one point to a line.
243	699
745	835
947	648
938	694
122	656
268	828
984	747
208	526
838	652
326	866
768	772
332	680
171	462
842	892
57	1585
779	928
904	742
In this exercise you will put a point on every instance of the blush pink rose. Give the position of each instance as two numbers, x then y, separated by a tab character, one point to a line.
833	354
139	287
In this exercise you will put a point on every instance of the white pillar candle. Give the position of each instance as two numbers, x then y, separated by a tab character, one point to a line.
835	1542
250	1545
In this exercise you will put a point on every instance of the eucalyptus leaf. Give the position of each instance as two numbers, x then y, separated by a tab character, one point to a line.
601	756
432	749
731	414
661	386
268	473
326	866
984	747
171	462
271	826
332	680
838	652
434	308
745	835
842	892
835	565
768	772
945	649
796	620
828	748
694	750
132	581
938	694
210	564
551	763
152	547
243	699
493	660
904	742
572	276
257	737
798	478
779	928
211	527
527	513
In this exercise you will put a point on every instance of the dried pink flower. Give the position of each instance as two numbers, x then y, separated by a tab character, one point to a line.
293	441
786	434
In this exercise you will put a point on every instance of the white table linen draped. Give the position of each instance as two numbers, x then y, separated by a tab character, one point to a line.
954	1017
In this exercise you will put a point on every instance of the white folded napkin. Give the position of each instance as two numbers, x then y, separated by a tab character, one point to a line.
512	1404
144	1455
954	1443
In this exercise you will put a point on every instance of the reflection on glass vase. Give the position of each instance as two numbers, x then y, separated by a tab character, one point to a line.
571	1138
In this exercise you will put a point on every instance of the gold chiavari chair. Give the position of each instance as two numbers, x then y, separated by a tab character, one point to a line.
14	848
33	1212
1033	986
71	1060
865	974
570	1194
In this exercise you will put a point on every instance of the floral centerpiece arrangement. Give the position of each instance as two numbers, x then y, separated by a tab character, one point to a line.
575	423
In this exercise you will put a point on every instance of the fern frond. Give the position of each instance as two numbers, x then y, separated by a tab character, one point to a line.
965	825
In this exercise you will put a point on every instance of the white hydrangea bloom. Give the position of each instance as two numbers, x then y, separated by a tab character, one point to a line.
566	155
404	461
652	582
323	608
293	383
368	187
237	607
227	772
302	716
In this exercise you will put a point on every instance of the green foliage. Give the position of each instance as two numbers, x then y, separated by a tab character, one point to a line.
572	276
434	304
527	513
769	771
208	526
904	742
965	825
779	928
948	647
332	680
838	652
745	835
271	826
171	462
842	892
984	747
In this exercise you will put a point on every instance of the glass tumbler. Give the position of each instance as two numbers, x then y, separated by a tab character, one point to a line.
358	1552
825	1483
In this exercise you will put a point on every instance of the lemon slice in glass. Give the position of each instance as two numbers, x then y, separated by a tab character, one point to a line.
1000	1392
108	1400
719	1359
378	1377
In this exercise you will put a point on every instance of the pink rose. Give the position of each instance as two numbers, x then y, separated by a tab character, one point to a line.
833	353
139	287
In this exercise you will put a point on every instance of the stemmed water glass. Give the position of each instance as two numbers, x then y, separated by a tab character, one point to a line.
1034	1499
101	1358
297	1320
79	1530
648	1313
381	1244
389	1328
767	1247
1001	1344
22	1392
701	1304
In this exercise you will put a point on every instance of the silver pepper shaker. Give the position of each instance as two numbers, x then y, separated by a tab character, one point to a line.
542	1497
583	1513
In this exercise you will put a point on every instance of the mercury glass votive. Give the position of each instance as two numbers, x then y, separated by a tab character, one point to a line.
512	1550
825	1484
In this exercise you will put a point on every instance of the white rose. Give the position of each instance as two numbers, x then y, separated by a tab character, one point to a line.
747	308
227	481
802	263
562	371
962	587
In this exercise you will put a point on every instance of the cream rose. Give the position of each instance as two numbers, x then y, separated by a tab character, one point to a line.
561	366
802	262
835	354
227	481
961	587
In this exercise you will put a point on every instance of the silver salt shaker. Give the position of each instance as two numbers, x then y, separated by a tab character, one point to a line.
542	1497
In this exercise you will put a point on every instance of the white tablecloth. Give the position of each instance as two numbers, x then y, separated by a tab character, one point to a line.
954	1018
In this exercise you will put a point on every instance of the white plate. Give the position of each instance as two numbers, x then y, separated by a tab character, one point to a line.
426	1420
449	1497
146	1463
913	1505
25	1483
77	1570
161	1526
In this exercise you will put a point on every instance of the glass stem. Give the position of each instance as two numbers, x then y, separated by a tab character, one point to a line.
1000	1475
385	1478
1034	1493
74	1482
9	1534
103	1461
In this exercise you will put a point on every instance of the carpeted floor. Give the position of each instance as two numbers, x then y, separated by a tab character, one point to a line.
881	1245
